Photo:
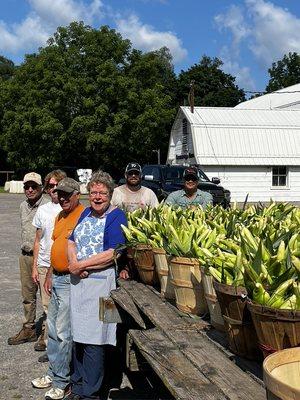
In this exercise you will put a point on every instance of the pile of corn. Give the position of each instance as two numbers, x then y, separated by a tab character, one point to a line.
258	248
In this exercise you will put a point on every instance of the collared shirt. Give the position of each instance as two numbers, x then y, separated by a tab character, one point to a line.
180	199
27	213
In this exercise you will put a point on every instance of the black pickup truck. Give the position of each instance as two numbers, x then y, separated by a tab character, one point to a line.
164	179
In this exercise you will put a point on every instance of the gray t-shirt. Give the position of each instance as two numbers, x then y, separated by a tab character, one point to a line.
179	198
128	200
27	213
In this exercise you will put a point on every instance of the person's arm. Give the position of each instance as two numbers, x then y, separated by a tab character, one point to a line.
97	261
48	281
153	199
36	247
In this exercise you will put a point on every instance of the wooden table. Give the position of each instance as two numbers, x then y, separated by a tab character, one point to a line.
183	351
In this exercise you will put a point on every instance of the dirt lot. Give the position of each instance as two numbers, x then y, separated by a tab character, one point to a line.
19	364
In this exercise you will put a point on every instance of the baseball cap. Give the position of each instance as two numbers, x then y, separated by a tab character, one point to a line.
33	177
133	167
67	185
191	171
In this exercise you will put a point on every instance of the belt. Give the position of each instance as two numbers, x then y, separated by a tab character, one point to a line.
57	273
27	253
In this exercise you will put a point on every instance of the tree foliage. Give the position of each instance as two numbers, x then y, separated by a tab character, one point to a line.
88	99
213	87
7	68
284	73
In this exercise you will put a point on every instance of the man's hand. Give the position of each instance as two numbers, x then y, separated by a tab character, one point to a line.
124	274
48	282
35	275
74	268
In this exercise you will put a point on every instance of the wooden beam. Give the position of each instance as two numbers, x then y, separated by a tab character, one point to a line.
201	352
180	376
124	300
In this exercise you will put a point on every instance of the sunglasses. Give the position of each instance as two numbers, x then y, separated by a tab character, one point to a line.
190	178
131	173
64	195
51	185
33	186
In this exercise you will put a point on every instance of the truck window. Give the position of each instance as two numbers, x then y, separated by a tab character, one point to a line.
152	170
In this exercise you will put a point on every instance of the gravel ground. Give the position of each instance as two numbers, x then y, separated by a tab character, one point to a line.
19	364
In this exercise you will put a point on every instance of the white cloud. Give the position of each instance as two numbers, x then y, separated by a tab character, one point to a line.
275	31
233	67
234	21
146	38
62	12
42	21
267	30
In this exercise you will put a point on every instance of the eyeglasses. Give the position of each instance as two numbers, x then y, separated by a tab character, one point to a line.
102	194
131	173
190	178
51	185
33	186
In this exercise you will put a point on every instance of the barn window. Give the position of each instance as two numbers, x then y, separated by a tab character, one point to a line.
279	176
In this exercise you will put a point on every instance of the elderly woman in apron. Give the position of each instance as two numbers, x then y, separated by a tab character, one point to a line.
91	263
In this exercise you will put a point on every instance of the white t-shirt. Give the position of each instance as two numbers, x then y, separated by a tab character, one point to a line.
128	200
44	219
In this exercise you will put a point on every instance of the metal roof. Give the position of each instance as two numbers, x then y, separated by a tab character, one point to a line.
231	136
288	97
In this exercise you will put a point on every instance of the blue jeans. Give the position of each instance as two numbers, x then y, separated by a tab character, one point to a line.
88	365
59	348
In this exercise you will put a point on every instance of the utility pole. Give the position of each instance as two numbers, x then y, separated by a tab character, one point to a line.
191	96
158	155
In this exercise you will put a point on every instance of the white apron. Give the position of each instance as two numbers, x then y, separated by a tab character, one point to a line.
85	293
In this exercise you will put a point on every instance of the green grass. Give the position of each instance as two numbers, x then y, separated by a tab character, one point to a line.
2	189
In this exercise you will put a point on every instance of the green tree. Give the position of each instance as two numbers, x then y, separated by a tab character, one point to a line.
213	87
284	73
7	68
88	99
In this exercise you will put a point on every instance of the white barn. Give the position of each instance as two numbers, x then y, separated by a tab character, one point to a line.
254	150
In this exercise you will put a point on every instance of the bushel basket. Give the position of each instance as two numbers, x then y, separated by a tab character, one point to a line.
186	279
276	329
144	262
238	324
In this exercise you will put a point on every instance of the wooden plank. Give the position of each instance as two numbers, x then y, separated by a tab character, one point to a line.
221	371
124	300
159	311
184	381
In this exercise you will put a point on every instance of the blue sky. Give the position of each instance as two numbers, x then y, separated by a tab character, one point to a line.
248	35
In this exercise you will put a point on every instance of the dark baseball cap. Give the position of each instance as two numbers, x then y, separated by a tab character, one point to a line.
67	185
133	167
191	171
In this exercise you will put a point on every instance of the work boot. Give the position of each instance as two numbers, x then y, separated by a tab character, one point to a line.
25	335
40	345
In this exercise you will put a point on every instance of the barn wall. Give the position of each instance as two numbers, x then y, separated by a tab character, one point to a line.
257	181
